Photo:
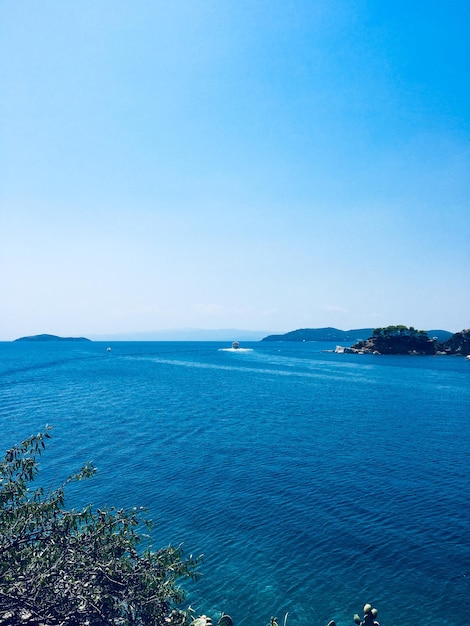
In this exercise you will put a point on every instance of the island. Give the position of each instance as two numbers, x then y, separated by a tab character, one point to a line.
322	334
397	339
44	338
337	335
407	340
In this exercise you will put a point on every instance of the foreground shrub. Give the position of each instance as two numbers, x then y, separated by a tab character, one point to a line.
68	567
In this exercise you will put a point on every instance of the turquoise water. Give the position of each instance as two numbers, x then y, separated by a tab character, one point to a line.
312	482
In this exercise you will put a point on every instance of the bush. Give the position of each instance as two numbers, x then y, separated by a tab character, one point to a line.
68	567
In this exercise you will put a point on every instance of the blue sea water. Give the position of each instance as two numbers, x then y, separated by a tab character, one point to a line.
313	482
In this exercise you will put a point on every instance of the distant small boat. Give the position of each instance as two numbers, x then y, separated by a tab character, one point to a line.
108	349
236	347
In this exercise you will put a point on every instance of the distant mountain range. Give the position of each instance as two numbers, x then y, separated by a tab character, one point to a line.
186	334
328	334
334	334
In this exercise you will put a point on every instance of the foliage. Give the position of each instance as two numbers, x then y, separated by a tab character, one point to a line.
398	331
71	567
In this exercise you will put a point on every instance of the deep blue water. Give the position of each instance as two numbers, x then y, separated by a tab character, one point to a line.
312	482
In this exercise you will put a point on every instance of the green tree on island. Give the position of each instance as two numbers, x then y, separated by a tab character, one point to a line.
69	567
397	331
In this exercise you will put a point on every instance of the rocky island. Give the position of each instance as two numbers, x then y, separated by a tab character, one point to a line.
39	338
403	340
388	340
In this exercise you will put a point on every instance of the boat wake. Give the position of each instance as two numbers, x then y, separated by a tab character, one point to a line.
235	349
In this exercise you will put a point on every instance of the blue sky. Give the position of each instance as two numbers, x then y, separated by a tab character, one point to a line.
265	165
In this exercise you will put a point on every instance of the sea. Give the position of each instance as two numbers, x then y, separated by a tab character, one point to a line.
312	482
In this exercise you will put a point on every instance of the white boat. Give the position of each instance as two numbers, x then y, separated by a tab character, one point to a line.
235	347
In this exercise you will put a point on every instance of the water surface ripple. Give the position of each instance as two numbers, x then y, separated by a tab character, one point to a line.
312	482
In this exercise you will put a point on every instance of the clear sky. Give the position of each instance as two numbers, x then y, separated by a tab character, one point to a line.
249	164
